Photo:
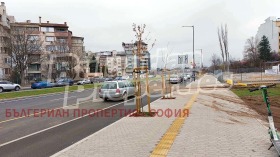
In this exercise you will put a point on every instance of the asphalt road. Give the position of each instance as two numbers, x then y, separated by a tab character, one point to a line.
44	136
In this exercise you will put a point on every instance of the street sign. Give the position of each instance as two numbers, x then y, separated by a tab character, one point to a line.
182	59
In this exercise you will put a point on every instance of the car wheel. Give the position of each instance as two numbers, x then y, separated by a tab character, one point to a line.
124	97
17	88
1	89
104	99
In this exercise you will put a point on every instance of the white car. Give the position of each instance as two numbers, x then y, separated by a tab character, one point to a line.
8	86
175	79
83	81
186	77
125	77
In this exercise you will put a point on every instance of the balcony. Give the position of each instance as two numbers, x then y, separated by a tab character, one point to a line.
33	71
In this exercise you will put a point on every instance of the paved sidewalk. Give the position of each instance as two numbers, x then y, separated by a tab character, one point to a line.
218	125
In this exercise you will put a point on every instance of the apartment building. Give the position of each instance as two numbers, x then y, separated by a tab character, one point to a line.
113	60
57	43
5	60
129	49
78	48
271	29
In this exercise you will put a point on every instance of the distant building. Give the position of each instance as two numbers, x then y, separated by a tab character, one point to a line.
271	29
78	48
145	60
113	60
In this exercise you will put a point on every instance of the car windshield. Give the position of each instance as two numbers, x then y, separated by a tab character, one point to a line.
109	85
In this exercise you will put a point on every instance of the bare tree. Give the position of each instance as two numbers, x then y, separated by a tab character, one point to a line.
165	56
251	53
64	59
215	62
223	41
25	48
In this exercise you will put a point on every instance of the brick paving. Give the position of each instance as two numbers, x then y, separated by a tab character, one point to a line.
218	125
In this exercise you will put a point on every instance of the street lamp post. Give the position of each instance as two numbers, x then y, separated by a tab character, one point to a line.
193	51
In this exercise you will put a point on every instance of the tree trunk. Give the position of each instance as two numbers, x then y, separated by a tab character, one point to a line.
22	79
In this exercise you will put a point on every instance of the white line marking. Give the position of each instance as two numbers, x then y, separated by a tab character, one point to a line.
59	125
63	98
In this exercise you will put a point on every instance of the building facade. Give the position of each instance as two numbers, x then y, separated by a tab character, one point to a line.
5	26
271	29
115	62
129	50
57	44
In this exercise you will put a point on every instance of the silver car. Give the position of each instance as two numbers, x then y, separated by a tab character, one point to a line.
116	90
83	81
6	85
175	79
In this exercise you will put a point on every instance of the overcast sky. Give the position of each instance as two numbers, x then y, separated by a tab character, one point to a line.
105	24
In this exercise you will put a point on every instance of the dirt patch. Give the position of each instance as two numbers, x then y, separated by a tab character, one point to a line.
256	103
220	121
220	107
231	121
226	98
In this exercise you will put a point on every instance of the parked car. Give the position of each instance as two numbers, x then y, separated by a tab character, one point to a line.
175	79
42	84
97	79
64	82
118	78
8	86
83	81
116	90
108	79
125	77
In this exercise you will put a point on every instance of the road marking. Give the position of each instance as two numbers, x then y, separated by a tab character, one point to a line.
63	98
35	96
41	112
164	145
60	124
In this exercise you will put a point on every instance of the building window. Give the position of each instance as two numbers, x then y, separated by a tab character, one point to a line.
7	71
5	50
60	29
34	67
61	39
50	48
32	28
47	29
7	60
33	37
50	38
